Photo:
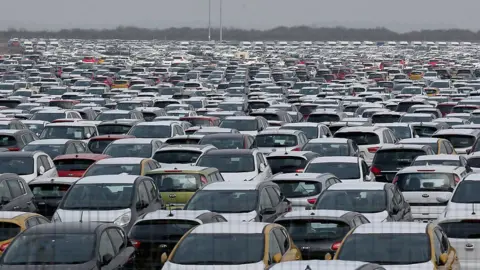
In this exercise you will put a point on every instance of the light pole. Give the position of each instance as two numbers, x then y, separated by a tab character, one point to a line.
221	26
209	19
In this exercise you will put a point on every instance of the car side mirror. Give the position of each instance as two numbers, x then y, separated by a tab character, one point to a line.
368	178
89	135
262	167
164	258
443	259
395	210
106	259
41	170
141	205
277	258
469	151
268	211
416	136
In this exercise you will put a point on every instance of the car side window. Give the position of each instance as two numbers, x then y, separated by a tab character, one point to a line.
438	246
15	188
80	148
397	197
282	239
443	242
106	246
274	197
265	201
365	168
364	219
142	193
42	220
219	177
443	148
259	161
386	138
274	247
71	149
151	189
46	163
32	222
4	190
448	147
118	240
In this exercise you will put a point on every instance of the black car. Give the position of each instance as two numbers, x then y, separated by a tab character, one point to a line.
317	233
160	231
228	140
70	245
15	195
49	192
390	159
289	162
120	126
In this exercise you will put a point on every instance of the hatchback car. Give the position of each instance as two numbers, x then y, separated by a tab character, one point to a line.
131	166
75	165
181	154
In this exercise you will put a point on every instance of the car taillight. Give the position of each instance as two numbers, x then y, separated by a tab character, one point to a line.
13	149
375	170
395	179
335	246
457	179
297	149
312	201
299	171
3	247
135	243
373	149
289	209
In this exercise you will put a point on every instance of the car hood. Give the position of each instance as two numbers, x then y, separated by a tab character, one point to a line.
90	215
84	266
250	266
376	217
230	177
249	132
240	216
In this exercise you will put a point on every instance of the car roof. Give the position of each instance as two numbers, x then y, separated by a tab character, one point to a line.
419	140
133	141
49	141
54	180
337	159
82	156
66	227
316	213
328	140
324	264
12	214
230	228
402	146
438	157
429	169
358	186
241	185
175	214
108	179
120	160
221	152
299	176
392	228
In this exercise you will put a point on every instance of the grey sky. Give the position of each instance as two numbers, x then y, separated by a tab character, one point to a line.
401	15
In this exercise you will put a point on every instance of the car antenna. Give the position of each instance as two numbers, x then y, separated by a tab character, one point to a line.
170	214
81	217
473	209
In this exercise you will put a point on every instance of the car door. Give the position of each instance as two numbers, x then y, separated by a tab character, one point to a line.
273	247
50	170
106	253
441	241
266	212
22	202
123	252
155	199
6	198
142	199
279	204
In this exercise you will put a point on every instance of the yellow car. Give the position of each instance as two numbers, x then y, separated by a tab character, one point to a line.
13	223
409	245
232	244
416	75
178	186
431	91
121	84
439	146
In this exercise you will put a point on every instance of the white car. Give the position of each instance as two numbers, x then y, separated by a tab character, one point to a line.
344	167
28	165
464	198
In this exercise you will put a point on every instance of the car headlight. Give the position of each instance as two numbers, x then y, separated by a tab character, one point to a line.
56	218
123	220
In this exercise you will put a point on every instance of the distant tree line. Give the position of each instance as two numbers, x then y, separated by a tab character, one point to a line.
297	33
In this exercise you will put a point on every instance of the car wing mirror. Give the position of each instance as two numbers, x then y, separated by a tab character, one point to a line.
41	170
106	259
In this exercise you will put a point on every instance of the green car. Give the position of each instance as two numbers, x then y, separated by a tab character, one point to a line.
177	186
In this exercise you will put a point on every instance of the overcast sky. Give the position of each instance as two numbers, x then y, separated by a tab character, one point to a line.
403	15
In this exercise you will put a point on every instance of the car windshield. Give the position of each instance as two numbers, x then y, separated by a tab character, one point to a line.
113	129
112	116
220	249
387	248
8	230
416	118
397	157
362	201
48	116
361	138
425	182
228	163
275	140
466	192
299	188
50	190
128	150
224	143
315	230
224	201
342	170
424	131
53	150
161	230
17	165
177	181
160	131
464	229
309	91
459	141
105	169
317	118
64	132
328	149
73	164
240	125
177	156
311	132
98	197
50	249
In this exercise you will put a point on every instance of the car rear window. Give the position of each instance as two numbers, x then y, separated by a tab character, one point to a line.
49	190
113	129
361	138
425	181
424	131
177	156
402	157
97	146
286	164
156	230
465	229
308	230
317	118
8	230
73	164
6	141
458	141
385	118
299	189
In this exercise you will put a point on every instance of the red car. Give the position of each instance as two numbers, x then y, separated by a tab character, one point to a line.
97	144
202	121
75	165
89	59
